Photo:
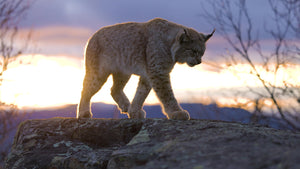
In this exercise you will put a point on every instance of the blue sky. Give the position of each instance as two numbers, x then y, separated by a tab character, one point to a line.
91	15
83	18
97	13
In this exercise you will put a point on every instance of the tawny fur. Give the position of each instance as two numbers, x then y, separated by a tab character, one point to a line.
150	50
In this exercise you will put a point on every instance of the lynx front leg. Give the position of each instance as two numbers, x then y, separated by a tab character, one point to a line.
162	86
117	93
136	109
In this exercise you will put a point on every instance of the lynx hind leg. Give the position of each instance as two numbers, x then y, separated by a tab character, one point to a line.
91	85
136	108
119	82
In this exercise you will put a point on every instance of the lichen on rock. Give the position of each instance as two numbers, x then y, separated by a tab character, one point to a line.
152	143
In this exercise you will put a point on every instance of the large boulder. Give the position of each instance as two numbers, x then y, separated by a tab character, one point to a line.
152	143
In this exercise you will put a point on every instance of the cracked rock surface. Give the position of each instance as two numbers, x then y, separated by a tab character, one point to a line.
152	143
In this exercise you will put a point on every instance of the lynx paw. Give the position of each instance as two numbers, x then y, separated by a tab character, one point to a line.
123	108
86	114
179	115
137	115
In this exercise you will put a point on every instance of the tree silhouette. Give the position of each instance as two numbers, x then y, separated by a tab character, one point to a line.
11	14
281	95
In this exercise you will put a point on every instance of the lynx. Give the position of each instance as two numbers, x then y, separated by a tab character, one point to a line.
149	50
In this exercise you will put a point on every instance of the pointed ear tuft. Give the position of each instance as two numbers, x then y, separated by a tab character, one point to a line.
209	35
184	37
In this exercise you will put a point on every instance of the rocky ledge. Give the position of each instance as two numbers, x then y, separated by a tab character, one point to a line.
152	143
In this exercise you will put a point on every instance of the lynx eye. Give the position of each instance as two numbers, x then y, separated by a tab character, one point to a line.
195	52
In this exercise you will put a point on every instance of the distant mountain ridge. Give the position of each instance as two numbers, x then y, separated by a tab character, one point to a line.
196	110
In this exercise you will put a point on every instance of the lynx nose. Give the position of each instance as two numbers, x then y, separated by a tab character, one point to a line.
198	61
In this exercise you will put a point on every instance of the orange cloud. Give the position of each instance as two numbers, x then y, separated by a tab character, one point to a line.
62	35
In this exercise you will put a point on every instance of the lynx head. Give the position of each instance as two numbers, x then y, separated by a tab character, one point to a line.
189	47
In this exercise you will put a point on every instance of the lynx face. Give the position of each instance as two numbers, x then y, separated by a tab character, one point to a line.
190	47
190	53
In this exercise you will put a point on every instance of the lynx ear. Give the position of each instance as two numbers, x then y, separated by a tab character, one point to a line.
209	35
184	37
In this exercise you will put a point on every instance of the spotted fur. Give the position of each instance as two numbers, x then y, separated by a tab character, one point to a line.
149	50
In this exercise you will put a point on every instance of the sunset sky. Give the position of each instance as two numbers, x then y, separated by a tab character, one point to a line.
53	75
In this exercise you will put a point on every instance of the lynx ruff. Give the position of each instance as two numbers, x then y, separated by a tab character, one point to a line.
150	50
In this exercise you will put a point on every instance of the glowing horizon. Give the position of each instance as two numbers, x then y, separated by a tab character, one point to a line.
50	81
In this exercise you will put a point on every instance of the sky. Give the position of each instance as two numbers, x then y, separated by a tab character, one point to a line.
53	75
73	21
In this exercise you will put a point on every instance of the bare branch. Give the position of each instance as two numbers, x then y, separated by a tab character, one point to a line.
234	22
11	13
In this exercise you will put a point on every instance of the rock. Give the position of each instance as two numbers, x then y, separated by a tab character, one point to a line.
152	143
